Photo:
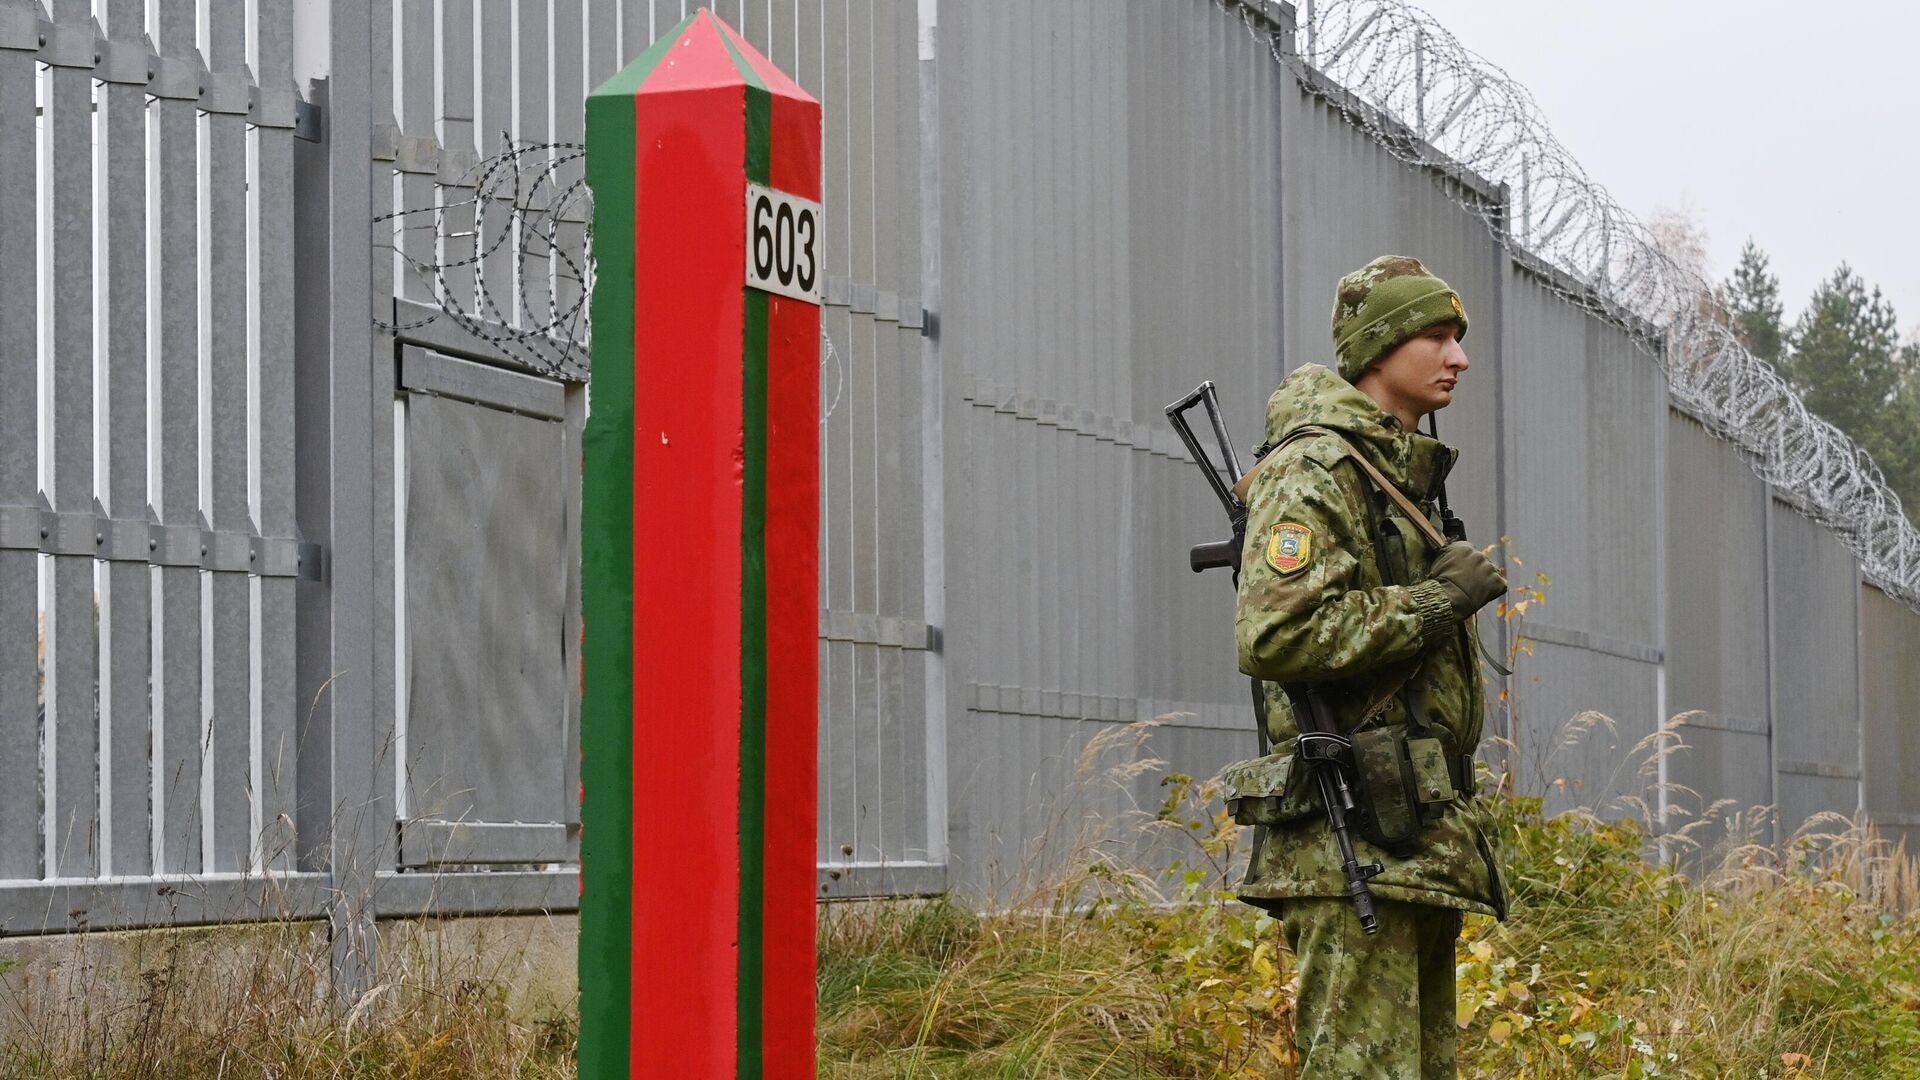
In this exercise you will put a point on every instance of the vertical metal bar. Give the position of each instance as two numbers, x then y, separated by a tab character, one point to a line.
20	827
175	284
575	62
230	754
458	150
604	55
495	123
73	740
569	119
419	161
382	737
1526	199
666	15
636	30
1861	719
273	409
878	73
313	492
840	819
363	816
127	606
933	413
533	97
1770	567
411	56
808	70
903	82
1420	82
574	424
863	369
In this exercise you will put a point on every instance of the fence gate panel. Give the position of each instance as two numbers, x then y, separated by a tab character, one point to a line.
485	503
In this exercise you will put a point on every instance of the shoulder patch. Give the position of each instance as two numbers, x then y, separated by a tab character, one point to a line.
1289	546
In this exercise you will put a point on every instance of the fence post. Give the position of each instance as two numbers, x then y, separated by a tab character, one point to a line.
699	534
360	819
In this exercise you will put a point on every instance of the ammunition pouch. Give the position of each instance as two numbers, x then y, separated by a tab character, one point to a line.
1402	784
1268	791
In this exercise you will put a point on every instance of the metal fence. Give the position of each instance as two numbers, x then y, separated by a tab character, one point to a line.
288	594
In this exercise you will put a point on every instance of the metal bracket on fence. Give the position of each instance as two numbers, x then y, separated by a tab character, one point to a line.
178	78
277	556
22	27
274	108
123	539
306	121
228	93
174	545
71	44
231	552
68	533
417	154
124	62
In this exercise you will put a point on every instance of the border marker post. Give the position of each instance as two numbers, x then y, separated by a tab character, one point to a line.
699	548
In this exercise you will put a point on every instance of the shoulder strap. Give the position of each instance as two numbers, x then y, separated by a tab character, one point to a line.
1420	520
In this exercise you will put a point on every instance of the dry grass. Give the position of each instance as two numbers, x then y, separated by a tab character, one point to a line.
252	1002
1794	960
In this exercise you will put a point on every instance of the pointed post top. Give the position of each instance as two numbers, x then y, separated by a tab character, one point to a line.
702	53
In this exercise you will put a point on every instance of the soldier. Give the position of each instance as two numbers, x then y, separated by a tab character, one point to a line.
1341	591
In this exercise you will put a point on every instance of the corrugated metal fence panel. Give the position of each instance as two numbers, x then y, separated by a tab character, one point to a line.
1586	414
859	60
1204	132
1891	714
1716	623
1814	590
1348	201
1107	172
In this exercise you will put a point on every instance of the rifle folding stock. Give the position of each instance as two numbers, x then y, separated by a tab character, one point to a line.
1221	476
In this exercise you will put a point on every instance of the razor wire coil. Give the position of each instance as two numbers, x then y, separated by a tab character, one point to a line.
529	220
1394	72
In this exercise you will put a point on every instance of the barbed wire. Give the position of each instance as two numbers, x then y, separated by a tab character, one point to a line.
529	219
1391	70
829	353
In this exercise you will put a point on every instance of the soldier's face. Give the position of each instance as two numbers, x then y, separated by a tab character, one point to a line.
1420	376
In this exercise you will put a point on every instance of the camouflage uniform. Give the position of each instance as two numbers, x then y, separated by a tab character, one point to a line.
1314	607
1334	621
1373	1006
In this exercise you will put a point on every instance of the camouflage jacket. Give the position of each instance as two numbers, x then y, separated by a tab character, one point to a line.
1314	606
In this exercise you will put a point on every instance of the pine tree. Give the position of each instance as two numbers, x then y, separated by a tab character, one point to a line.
1902	464
1845	359
1753	299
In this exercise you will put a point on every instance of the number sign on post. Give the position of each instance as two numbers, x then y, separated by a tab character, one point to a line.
699	561
783	244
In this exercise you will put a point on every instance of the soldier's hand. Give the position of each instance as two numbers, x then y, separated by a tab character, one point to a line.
1470	579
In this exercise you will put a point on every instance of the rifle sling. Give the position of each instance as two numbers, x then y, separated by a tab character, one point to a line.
1244	485
1420	520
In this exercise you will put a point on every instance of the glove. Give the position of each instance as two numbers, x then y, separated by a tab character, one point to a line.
1469	579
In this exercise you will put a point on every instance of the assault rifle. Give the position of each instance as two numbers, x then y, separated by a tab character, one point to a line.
1321	744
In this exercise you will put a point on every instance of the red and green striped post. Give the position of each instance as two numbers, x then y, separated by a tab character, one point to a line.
699	534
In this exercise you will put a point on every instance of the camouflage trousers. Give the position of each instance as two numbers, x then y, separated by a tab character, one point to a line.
1377	1007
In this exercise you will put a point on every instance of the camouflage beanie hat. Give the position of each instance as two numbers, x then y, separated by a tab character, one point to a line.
1384	303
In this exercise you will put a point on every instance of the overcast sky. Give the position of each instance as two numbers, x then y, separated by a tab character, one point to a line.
1795	124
